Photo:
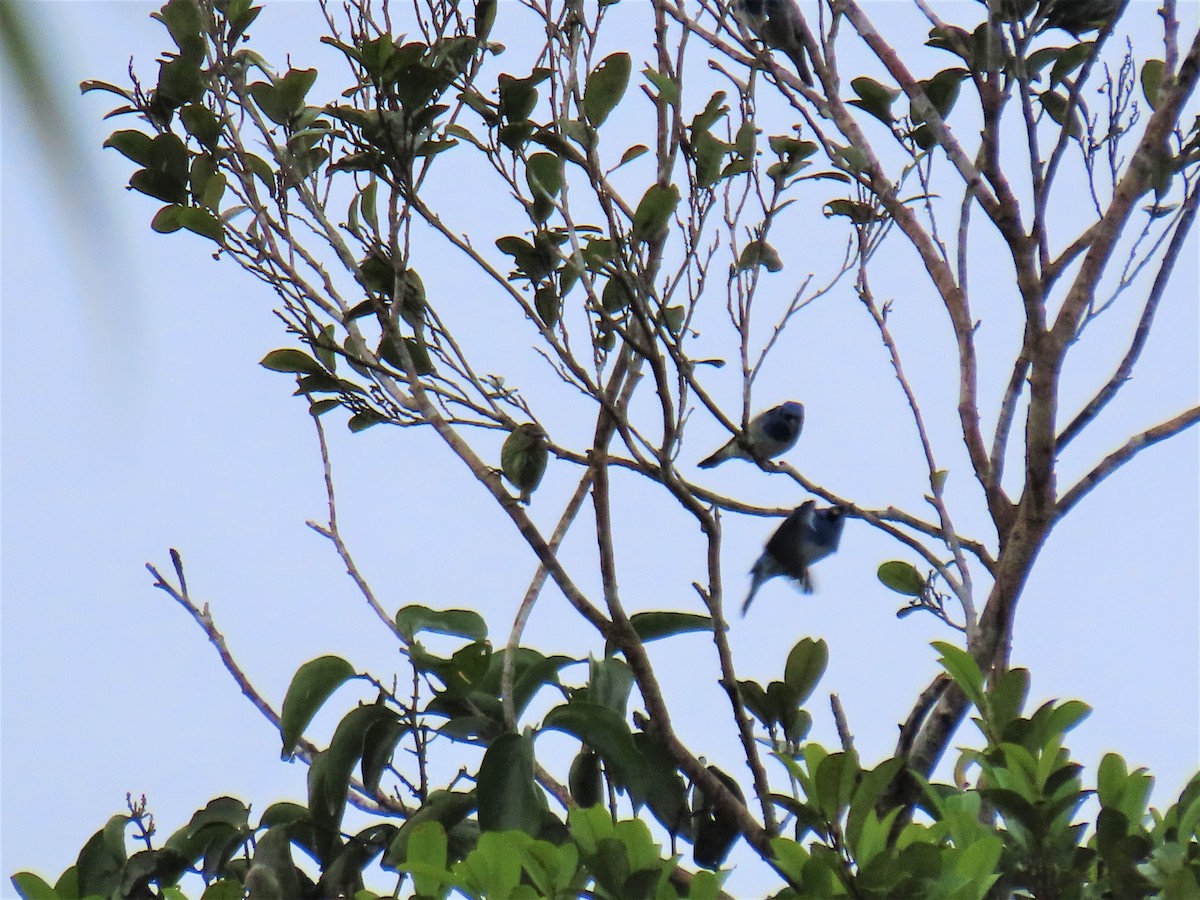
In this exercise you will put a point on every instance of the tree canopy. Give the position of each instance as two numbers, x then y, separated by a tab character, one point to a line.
560	255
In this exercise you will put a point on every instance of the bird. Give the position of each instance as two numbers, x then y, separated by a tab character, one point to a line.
806	536
769	434
777	24
1079	16
523	458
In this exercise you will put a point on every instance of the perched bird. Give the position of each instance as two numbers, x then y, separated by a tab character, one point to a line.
769	434
523	458
777	24
1079	16
806	536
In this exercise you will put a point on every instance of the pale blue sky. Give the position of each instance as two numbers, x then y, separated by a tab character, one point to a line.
136	418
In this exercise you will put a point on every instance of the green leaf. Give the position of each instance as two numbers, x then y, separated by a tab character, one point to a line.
805	665
759	253
606	732
902	578
193	218
311	686
610	681
31	887
653	625
227	811
508	797
329	776
283	813
615	296
963	669
1058	108
182	18
547	304
413	619
1069	60
1006	697
875	98
201	124
584	779
870	788
447	807
293	88
835	778
942	90
133	145
673	318
631	154
379	743
857	211
427	857
224	889
291	360
544	174
102	858
654	212
605	87
269	99
1152	73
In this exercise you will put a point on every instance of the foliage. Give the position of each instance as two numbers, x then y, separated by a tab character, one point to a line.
612	268
1015	831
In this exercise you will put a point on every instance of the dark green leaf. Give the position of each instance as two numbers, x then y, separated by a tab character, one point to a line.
584	780
291	360
544	174
193	218
606	732
654	212
652	625
615	296
447	807
413	619
610	681
133	145
379	743
805	665
508	797
875	98
1058	108
201	124
102	858
605	87
227	811
311	686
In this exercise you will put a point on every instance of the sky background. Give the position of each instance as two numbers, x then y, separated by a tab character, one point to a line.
136	418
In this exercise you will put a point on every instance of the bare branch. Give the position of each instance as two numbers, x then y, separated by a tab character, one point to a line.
1118	458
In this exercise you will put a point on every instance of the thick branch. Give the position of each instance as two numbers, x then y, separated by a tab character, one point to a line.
1125	370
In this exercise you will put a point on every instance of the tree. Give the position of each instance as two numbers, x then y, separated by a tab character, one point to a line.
611	271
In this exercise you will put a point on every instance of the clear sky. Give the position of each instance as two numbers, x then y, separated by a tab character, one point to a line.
136	418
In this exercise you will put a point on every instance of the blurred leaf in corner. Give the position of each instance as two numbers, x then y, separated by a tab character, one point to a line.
28	64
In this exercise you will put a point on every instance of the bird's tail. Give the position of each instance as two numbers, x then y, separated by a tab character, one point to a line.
716	459
754	585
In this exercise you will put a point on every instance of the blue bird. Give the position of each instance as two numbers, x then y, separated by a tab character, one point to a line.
805	537
769	434
777	24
